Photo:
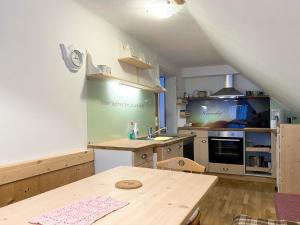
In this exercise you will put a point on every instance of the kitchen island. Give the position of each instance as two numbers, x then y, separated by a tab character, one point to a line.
140	153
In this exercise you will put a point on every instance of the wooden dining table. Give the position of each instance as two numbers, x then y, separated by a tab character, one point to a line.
166	197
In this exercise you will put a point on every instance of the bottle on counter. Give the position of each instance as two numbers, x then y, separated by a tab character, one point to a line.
131	135
135	131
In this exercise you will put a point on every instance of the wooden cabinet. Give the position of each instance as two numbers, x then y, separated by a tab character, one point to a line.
289	159
108	158
170	151
260	152
226	168
200	145
143	157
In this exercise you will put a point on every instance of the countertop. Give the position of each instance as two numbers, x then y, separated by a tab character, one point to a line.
229	129
135	145
166	197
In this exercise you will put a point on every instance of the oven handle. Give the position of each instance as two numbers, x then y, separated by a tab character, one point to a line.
225	153
219	139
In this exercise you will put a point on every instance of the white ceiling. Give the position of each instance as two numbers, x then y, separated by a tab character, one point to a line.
179	38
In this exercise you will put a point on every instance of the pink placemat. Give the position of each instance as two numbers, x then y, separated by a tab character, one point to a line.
83	212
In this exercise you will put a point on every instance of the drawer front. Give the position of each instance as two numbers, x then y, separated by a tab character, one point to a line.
199	133
175	150
226	168
142	156
146	165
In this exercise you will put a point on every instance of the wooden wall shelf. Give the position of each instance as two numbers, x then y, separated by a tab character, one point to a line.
184	114
213	98
93	73
136	62
258	149
258	169
100	76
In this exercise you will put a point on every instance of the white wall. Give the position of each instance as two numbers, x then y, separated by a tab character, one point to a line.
200	71
215	83
43	105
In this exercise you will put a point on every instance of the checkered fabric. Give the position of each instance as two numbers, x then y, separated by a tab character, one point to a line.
247	220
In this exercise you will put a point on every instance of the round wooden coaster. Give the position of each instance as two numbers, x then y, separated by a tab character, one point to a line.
128	184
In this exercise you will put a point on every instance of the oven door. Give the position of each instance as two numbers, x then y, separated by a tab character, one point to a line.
226	150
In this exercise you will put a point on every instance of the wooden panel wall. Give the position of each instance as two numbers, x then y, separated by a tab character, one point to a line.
21	181
289	158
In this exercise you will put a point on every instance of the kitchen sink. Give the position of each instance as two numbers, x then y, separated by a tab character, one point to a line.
159	138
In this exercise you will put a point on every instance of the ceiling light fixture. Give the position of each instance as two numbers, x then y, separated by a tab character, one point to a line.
163	8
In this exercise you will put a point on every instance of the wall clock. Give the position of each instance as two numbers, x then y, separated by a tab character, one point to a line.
73	57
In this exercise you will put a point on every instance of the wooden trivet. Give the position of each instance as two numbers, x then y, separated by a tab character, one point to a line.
128	184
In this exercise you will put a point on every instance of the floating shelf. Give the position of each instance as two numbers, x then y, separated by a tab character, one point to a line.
181	103
258	169
184	114
258	174
258	149
94	74
136	62
213	98
100	76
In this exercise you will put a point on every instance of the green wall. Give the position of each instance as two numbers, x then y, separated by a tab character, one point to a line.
111	106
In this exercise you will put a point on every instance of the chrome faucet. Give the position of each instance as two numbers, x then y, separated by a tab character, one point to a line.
150	133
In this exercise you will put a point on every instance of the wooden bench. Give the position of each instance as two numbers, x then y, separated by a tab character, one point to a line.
24	180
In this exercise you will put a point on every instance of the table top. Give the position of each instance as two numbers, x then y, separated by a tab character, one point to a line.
166	197
135	145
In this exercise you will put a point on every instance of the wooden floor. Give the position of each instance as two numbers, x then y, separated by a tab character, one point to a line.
232	197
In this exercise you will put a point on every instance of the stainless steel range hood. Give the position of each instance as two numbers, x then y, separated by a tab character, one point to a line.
228	91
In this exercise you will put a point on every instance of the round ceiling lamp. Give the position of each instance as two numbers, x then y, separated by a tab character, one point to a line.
163	9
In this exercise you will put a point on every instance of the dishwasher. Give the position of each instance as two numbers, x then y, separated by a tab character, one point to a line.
188	149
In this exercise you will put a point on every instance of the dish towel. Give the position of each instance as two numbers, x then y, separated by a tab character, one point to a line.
83	212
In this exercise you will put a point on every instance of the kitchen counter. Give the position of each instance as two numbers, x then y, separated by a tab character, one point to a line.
135	145
229	129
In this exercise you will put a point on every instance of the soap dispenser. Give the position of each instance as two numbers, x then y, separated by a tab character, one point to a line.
135	131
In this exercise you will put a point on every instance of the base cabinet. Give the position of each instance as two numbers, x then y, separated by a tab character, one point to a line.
200	145
289	160
171	151
226	168
106	159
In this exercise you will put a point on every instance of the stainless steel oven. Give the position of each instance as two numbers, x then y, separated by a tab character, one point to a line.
226	147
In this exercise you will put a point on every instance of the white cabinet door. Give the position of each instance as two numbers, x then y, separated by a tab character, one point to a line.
107	159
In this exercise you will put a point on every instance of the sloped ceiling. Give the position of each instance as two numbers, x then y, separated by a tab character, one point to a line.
178	38
260	38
